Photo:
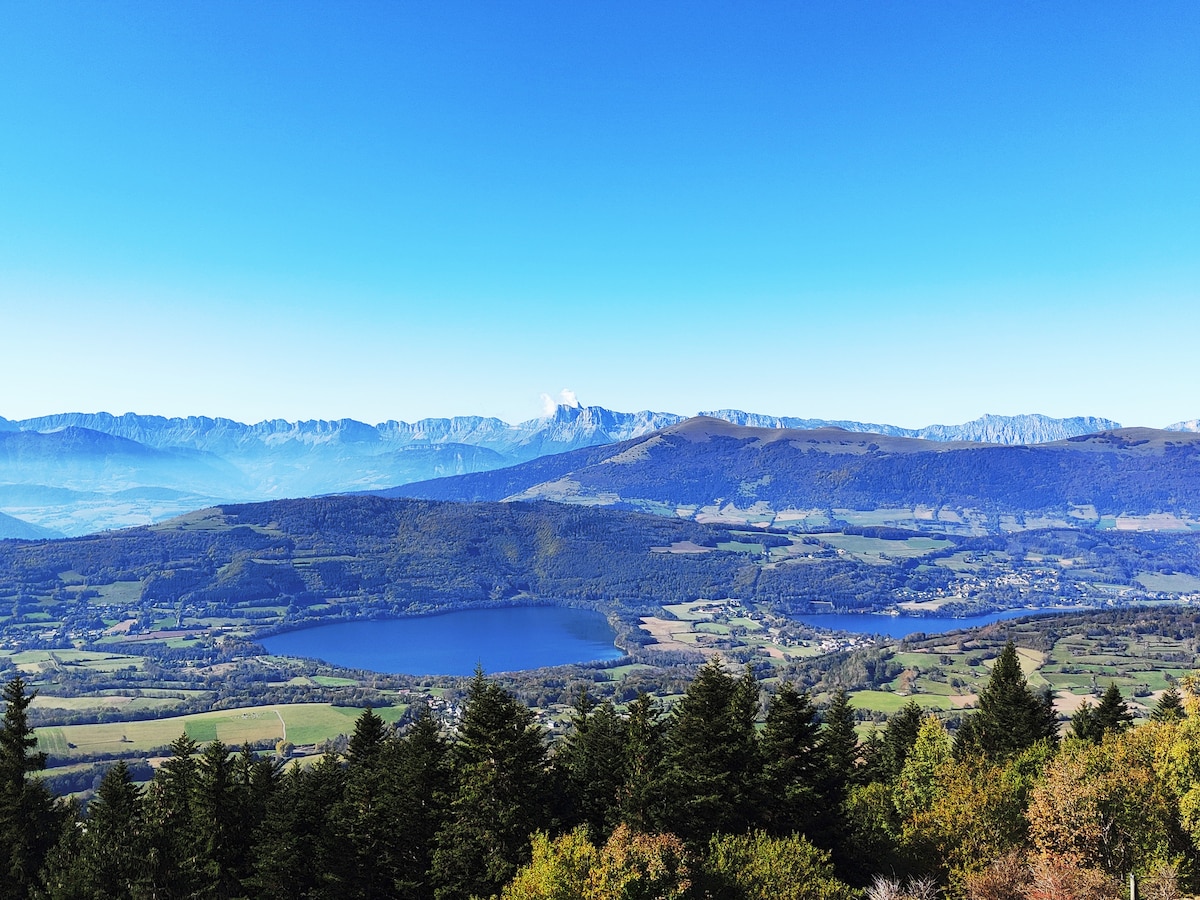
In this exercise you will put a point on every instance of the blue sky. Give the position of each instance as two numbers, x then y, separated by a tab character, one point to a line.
906	213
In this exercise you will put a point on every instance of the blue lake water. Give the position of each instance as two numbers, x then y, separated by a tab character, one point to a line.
902	626
453	643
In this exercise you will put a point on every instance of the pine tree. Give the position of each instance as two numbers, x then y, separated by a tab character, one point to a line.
424	772
790	765
1083	723
1112	716
1011	716
370	734
899	736
642	797
837	750
1169	707
297	851
373	811
217	822
28	817
499	795
591	765
173	854
712	755
112	856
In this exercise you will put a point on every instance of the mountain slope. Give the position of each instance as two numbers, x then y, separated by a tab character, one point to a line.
205	460
706	466
11	527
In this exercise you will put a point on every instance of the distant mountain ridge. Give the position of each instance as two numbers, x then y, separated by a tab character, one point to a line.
1032	428
134	469
712	470
567	428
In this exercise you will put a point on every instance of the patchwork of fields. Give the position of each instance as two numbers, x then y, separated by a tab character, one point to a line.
298	723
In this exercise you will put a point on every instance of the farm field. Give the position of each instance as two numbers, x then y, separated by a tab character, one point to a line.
300	723
1073	656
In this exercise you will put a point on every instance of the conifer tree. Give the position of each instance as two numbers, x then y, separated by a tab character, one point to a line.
28	816
712	755
111	861
372	814
641	797
499	795
368	738
899	736
173	854
790	765
216	822
1112	715
424	772
1169	707
590	761
838	751
1011	716
297	850
1083	723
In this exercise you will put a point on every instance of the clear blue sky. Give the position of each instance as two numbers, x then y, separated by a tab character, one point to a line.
908	213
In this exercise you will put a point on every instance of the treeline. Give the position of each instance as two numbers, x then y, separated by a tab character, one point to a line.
727	796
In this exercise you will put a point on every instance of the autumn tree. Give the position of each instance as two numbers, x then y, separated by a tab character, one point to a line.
756	866
629	866
1106	807
917	784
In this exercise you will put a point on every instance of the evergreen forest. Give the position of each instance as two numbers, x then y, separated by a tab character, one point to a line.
733	792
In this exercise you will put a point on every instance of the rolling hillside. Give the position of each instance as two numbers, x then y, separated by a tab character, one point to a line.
712	470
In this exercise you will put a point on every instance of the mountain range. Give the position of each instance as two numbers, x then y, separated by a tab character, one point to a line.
714	471
76	473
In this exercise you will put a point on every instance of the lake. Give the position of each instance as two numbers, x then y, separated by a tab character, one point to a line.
902	626
501	640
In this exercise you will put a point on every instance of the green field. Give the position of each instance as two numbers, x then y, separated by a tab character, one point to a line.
307	723
875	550
1175	583
33	662
889	702
685	612
1079	661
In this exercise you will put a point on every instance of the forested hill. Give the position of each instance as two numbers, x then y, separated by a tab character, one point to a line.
292	562
710	463
368	555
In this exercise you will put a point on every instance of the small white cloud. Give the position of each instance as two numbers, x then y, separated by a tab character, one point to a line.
566	397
